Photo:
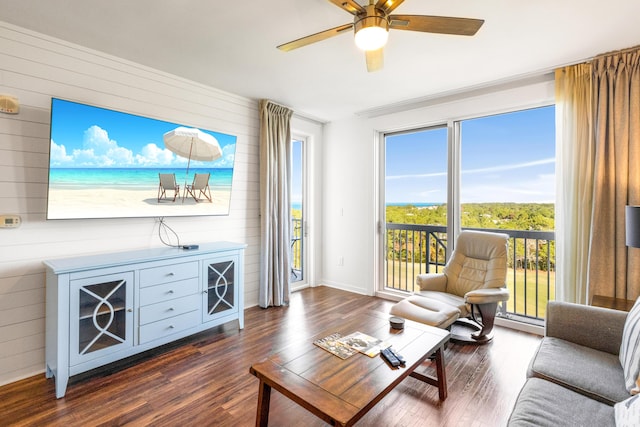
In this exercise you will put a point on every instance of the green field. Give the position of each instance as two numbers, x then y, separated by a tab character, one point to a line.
519	303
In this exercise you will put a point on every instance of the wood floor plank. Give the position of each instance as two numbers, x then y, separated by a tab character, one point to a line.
204	380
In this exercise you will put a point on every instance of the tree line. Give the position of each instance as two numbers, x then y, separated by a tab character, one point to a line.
528	254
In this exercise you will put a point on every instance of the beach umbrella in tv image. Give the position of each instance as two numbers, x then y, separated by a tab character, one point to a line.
192	144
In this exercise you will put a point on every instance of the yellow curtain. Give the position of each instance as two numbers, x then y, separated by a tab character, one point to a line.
575	158
614	269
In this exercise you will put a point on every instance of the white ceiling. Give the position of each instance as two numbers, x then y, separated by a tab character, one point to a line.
232	45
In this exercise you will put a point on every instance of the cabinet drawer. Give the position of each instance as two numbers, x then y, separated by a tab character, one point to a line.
168	291
163	310
162	328
168	273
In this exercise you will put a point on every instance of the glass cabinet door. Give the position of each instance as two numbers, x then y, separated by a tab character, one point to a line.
104	321
220	293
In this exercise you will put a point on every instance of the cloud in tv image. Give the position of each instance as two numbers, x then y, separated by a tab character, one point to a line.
110	164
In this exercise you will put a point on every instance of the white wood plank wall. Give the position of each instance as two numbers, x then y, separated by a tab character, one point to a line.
35	68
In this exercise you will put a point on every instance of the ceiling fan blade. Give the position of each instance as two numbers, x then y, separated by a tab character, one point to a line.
388	6
375	60
436	24
350	6
313	38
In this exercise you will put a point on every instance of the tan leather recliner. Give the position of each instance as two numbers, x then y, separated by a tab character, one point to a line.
473	281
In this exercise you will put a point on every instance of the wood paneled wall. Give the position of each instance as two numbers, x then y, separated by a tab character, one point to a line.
35	68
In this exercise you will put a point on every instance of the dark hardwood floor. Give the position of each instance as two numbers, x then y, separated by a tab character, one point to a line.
204	380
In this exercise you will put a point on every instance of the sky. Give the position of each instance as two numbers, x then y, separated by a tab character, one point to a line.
88	137
296	172
505	158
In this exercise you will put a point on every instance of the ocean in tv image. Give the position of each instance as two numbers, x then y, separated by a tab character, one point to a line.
107	164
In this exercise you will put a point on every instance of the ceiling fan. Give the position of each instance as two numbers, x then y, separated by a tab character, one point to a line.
372	22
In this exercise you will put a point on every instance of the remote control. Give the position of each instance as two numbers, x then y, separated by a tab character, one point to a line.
388	355
397	355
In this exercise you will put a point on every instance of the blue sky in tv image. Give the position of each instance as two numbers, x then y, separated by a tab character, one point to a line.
126	148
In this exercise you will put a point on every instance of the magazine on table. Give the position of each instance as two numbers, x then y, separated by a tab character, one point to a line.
364	343
332	344
347	346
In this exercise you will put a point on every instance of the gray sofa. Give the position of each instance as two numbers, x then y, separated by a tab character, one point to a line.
575	377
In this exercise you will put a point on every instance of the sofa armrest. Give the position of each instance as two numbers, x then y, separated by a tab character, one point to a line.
432	282
486	296
595	327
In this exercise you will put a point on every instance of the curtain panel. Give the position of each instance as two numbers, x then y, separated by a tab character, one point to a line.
598	170
575	164
275	211
614	269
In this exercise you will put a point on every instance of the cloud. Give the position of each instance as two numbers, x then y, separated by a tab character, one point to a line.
98	150
419	175
498	168
59	156
152	155
550	160
228	157
538	189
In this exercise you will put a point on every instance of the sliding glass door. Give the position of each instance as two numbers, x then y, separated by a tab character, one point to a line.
487	173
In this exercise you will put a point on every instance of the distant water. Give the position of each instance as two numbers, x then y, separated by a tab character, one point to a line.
298	205
418	205
131	178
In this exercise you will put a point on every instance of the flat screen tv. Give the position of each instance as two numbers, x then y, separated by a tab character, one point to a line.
110	164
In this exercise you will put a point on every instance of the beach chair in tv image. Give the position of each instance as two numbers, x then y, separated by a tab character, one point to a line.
168	183
200	185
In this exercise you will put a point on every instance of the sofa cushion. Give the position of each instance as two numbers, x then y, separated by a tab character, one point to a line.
590	372
542	403
630	350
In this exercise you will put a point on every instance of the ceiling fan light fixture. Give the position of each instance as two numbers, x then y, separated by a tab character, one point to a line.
371	38
372	29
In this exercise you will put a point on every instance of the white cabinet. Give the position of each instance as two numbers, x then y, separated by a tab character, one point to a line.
102	308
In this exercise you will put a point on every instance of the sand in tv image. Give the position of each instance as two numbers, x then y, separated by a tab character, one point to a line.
110	164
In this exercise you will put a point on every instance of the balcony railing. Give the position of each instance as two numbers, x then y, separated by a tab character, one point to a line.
414	249
297	247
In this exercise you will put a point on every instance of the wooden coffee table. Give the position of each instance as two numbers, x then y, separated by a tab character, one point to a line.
342	391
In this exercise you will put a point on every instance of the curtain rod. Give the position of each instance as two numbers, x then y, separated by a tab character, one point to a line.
614	52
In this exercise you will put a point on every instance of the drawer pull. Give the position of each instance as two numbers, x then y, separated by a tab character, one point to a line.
171	309
171	274
170	291
171	327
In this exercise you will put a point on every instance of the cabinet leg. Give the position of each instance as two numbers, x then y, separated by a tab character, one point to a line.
61	386
264	396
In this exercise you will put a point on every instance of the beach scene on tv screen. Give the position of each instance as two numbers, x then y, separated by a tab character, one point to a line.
109	164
